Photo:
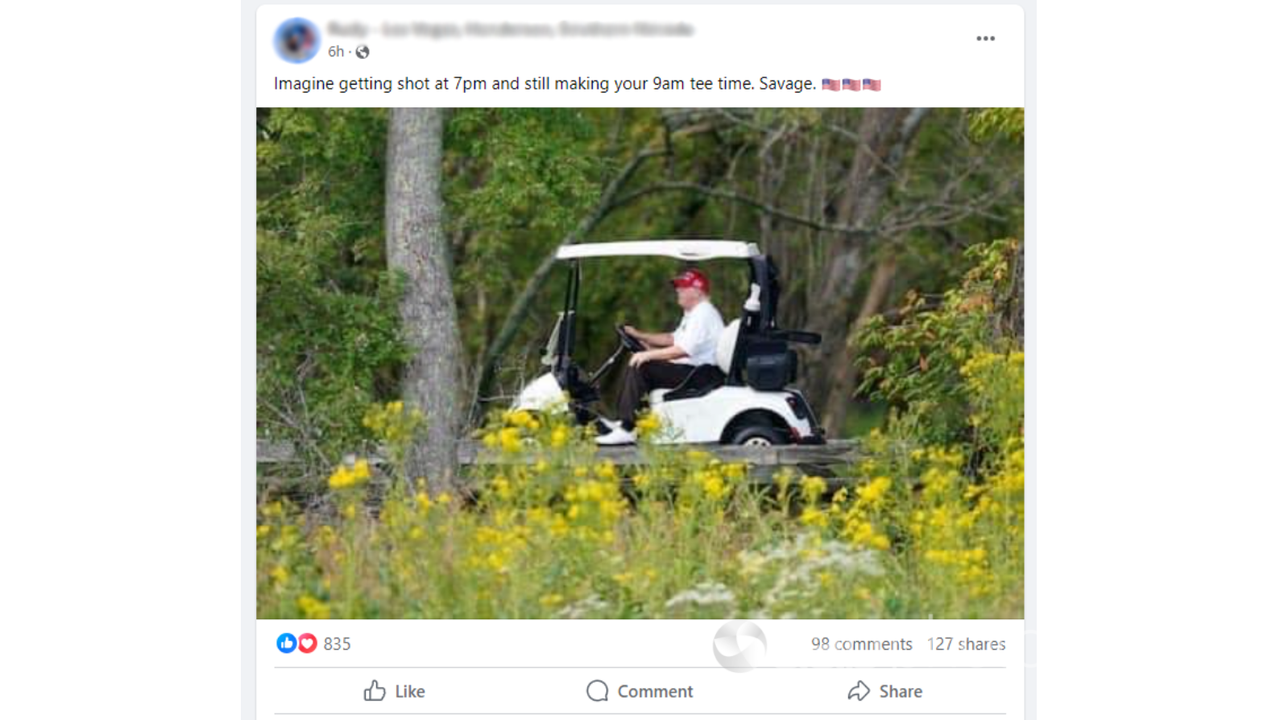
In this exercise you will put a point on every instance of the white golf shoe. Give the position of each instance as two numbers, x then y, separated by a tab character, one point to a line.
617	436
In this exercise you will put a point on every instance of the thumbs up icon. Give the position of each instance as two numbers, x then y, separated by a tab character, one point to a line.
373	692
286	643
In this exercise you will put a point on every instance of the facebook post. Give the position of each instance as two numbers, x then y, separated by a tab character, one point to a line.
661	360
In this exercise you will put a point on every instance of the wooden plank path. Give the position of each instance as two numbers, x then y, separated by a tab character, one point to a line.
470	452
836	452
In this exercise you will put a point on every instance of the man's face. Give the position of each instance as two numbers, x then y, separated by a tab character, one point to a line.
687	297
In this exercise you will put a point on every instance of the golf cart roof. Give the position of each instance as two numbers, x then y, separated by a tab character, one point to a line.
678	249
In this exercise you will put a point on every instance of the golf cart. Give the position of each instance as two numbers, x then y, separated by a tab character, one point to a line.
741	400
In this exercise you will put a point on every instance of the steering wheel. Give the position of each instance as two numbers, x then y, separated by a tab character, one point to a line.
629	342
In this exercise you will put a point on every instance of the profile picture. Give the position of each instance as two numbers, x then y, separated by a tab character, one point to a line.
297	40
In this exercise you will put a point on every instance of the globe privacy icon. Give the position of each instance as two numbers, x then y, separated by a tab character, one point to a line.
740	646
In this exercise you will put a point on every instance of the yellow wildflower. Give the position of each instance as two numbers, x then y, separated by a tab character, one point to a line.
559	436
713	485
812	488
813	517
873	492
424	501
312	608
509	438
502	487
518	418
559	527
345	477
648	424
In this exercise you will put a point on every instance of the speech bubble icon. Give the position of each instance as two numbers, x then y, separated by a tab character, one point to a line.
597	690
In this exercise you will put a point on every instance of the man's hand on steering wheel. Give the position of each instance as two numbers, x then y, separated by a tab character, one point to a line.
629	341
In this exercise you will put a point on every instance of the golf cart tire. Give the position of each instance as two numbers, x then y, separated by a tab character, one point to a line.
758	428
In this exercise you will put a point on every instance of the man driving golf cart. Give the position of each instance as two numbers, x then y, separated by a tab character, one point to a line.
736	377
669	358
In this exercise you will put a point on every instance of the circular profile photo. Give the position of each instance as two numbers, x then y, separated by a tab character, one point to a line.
297	40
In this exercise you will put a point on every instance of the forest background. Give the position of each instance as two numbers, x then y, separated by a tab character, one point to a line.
406	254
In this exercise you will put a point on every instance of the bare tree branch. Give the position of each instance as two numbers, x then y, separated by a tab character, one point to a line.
735	196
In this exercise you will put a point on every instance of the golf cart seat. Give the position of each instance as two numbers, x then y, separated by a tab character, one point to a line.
705	378
701	381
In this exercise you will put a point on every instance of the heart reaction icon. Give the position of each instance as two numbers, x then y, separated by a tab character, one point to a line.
306	642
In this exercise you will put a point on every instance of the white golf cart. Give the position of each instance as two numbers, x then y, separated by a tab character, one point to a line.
742	400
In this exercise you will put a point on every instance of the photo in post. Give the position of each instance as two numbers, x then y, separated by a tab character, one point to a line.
640	363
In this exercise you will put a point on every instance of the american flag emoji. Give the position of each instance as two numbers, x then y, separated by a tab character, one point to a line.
872	84
848	84
829	84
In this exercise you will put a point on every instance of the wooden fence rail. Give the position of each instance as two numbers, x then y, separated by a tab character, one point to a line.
835	452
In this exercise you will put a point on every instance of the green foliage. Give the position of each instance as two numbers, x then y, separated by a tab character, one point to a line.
328	328
517	182
323	353
940	365
1010	122
525	170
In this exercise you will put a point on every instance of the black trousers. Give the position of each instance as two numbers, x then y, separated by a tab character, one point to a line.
638	382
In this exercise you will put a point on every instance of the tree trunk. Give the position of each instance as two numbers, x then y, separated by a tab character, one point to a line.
417	247
1015	310
843	375
884	135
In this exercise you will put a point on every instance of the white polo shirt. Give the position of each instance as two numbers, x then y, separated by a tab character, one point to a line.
698	334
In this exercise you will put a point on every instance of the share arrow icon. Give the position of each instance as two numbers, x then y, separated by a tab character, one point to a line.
860	690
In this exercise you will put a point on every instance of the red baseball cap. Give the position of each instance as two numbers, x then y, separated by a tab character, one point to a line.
693	278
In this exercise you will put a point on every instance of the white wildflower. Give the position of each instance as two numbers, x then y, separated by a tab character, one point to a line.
586	607
703	593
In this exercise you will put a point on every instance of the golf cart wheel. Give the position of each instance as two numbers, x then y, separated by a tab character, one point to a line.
759	436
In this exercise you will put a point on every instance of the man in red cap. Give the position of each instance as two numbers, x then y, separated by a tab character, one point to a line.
670	357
